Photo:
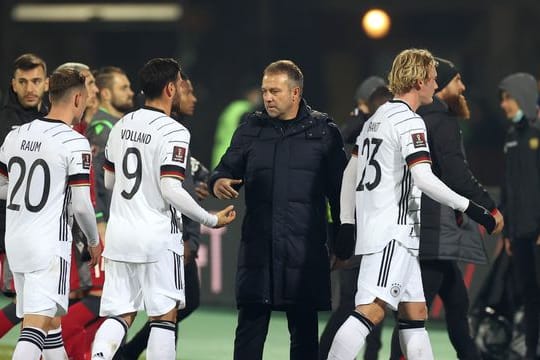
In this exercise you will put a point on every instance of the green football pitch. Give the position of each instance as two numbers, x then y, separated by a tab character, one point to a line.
208	334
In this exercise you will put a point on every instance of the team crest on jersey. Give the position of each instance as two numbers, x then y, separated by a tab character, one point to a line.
179	154
86	160
395	289
419	140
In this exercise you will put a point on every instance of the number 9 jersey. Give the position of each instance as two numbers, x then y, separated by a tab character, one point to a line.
387	202
144	146
42	160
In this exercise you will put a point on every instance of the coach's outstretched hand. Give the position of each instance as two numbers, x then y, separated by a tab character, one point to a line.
224	188
483	217
225	216
344	244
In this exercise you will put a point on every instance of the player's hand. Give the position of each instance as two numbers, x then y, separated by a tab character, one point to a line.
201	188
187	252
499	221
225	216
223	188
481	216
344	244
95	254
508	246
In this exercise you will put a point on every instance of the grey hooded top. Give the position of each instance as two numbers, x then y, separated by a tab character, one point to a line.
523	88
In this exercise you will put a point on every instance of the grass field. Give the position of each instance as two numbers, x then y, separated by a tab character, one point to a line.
209	333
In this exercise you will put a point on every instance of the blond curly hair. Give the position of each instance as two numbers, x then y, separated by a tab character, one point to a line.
408	68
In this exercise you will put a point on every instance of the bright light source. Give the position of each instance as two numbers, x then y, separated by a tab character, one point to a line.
102	12
376	23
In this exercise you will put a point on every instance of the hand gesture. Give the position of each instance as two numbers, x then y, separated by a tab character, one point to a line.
95	254
225	216
201	188
499	221
223	188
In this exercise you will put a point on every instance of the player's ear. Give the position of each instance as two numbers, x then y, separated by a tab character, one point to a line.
77	100
170	89
417	84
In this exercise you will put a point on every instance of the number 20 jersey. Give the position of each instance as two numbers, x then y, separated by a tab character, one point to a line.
144	146
387	202
41	159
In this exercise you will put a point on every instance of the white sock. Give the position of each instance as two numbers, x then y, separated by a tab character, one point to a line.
109	338
162	341
350	338
30	344
414	340
53	348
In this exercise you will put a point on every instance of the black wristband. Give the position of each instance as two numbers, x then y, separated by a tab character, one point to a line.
481	216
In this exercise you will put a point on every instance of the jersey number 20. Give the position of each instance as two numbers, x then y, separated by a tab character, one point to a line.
371	162
46	183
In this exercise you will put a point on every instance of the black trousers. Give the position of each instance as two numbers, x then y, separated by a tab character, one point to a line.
525	260
252	328
138	343
443	277
348	279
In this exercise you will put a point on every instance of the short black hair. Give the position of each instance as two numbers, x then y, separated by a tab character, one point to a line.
105	75
156	74
63	81
27	62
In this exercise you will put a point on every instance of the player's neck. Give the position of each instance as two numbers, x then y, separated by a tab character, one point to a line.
411	99
60	114
160	104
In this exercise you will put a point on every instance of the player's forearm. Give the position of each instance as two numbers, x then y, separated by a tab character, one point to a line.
348	192
430	185
178	197
108	178
84	213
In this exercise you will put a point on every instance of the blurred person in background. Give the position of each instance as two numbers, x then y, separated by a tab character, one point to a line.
290	159
115	98
229	119
371	93
195	183
25	101
521	195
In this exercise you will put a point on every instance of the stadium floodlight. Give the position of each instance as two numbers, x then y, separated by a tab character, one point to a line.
121	12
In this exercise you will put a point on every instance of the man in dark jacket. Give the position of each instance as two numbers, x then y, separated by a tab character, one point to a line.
290	159
521	194
25	101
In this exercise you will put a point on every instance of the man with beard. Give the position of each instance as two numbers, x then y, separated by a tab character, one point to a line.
115	99
446	236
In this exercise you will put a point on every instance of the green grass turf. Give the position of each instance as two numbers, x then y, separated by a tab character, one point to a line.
209	333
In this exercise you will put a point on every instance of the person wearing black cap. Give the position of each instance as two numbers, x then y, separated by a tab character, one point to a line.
446	236
521	195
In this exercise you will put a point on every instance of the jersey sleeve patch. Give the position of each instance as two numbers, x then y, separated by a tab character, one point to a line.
174	171
419	140
418	157
3	169
179	154
86	160
79	180
109	166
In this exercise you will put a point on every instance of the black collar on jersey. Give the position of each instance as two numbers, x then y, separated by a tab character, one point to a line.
400	101
51	120
146	107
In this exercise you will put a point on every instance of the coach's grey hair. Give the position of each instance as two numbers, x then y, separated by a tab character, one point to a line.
73	66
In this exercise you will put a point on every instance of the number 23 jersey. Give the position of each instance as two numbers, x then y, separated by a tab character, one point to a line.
41	159
387	202
144	146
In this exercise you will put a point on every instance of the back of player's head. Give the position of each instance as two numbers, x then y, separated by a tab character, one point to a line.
409	67
289	68
63	82
29	61
105	76
156	74
74	66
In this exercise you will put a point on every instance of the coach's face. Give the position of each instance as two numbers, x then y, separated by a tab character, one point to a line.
281	97
428	87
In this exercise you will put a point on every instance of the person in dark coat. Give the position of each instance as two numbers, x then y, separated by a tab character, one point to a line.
447	237
521	195
290	159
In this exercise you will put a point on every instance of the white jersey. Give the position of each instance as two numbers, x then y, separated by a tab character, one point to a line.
144	146
42	159
387	202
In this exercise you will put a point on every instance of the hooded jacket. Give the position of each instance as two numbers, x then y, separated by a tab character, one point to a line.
288	169
521	189
442	236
